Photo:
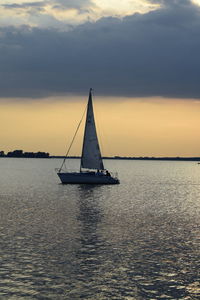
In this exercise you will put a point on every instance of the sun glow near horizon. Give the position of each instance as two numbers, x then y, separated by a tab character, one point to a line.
196	2
126	127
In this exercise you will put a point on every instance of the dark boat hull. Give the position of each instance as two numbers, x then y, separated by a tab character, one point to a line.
86	178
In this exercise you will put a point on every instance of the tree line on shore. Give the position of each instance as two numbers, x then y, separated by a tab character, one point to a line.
21	153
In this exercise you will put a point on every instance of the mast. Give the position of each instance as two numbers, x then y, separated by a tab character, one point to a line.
91	154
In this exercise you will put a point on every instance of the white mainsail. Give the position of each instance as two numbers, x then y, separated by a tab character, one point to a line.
91	154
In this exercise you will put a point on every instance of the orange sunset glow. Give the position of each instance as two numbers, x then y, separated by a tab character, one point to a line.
126	127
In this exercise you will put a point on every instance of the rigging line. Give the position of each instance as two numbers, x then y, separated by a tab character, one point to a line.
73	139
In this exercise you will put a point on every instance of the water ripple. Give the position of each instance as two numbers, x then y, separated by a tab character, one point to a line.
139	240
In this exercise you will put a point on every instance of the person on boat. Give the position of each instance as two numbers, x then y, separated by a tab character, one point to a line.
99	172
107	173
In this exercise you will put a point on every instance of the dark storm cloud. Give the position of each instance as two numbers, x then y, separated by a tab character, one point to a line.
154	54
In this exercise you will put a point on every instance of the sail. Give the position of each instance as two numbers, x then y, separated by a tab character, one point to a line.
91	154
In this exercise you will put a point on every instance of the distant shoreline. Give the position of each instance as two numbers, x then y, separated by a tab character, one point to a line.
46	155
138	158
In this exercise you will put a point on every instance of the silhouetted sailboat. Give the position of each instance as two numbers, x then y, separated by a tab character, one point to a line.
92	169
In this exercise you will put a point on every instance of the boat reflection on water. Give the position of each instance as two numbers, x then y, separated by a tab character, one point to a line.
99	266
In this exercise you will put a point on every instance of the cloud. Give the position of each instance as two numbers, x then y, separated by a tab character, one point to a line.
152	54
78	4
38	6
45	14
170	3
62	13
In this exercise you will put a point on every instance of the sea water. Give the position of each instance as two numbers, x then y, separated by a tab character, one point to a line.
136	240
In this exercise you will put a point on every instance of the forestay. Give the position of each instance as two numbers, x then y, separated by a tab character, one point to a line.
91	154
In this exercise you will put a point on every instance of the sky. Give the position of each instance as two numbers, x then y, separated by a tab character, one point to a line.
140	56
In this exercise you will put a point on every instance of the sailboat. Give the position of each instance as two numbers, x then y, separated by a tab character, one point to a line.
92	169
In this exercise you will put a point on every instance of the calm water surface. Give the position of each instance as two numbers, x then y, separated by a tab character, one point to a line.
136	240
